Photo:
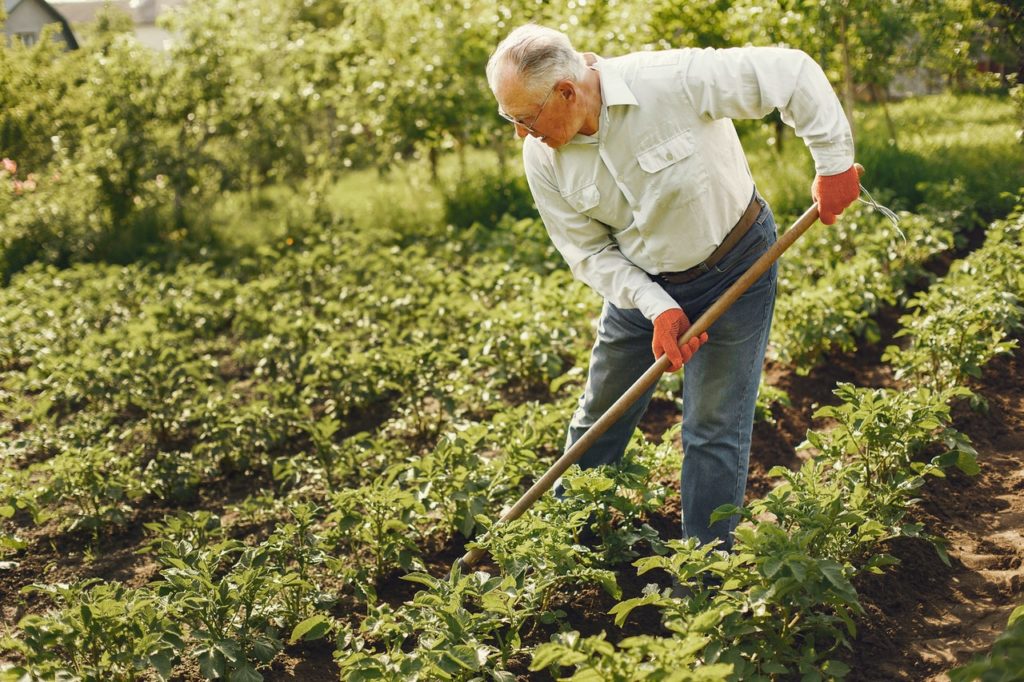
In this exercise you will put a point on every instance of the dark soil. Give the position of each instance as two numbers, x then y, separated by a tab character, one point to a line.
924	617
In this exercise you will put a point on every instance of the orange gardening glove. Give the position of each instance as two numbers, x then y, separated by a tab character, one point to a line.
835	192
668	327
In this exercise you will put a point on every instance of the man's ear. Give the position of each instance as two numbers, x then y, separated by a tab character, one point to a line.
566	89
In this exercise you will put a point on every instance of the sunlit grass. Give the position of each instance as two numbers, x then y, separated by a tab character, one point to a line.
940	139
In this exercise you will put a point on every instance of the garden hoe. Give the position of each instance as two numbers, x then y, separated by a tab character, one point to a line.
650	377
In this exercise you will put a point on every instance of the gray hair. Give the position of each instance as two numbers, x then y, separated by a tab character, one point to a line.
539	56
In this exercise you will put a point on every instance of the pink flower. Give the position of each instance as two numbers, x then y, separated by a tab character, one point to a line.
10	165
17	186
30	184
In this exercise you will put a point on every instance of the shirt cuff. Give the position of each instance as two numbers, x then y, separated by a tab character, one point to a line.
832	159
652	301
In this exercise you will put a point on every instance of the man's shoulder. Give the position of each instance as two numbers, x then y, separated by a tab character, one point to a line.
536	154
651	66
648	58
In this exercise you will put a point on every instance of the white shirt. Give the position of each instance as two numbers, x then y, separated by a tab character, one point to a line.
665	178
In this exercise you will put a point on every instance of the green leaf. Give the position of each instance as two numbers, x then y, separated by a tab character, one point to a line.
264	649
833	572
967	463
427	581
705	621
607	580
246	673
622	610
555	654
725	511
774	668
911	530
836	668
312	628
230	649
467	657
798	569
211	663
164	664
6	511
1018	614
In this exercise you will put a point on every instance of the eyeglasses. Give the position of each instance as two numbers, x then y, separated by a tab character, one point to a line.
520	122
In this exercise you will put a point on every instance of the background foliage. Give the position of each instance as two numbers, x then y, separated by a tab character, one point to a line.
129	151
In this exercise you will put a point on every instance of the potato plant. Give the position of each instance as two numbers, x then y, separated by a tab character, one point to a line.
383	399
834	283
96	631
960	322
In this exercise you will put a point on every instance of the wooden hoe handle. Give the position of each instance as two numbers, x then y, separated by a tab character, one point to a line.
650	377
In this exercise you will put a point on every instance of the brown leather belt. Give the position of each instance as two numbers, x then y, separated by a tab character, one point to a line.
731	240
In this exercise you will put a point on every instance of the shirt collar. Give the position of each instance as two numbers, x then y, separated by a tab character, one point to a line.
614	90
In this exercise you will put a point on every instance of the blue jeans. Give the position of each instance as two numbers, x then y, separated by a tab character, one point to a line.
719	384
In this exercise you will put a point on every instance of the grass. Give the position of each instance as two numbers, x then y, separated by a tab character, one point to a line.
941	140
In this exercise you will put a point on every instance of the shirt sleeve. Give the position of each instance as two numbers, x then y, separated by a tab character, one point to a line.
588	247
748	82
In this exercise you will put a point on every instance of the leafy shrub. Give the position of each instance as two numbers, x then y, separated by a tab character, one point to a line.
486	197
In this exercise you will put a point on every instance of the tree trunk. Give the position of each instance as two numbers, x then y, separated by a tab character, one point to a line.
848	94
463	171
433	155
880	95
499	149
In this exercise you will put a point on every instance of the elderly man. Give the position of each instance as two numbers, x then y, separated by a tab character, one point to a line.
644	188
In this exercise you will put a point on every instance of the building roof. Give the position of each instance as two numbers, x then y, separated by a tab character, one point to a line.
141	11
69	37
81	12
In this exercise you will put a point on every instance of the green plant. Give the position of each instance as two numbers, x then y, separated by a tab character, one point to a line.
98	632
378	519
228	593
634	658
618	500
98	486
299	556
486	197
962	321
441	634
881	433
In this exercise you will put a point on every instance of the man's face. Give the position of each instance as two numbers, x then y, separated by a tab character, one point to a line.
552	119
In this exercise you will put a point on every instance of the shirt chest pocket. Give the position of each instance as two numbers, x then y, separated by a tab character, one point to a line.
673	173
583	200
603	204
